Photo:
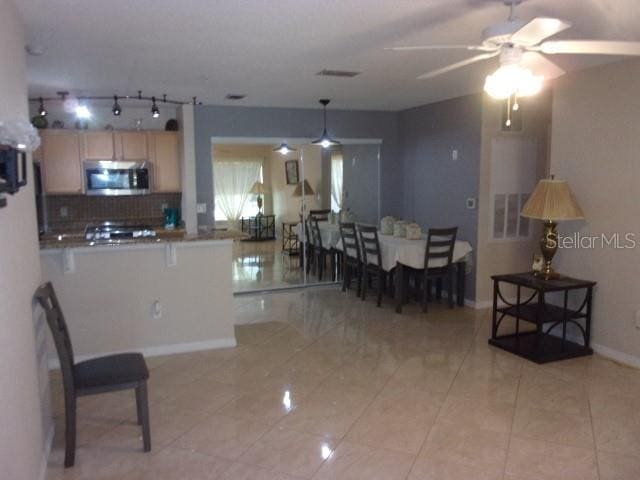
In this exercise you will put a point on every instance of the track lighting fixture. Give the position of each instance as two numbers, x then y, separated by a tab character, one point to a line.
325	139
284	148
41	110
116	106
155	113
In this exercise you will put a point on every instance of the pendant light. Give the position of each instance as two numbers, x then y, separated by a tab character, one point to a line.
41	110
116	106
325	140
284	148
155	112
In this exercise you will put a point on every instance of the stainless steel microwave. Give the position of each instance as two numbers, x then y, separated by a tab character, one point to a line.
105	177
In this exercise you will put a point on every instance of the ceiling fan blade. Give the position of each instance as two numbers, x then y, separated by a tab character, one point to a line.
591	47
540	65
537	30
441	47
455	66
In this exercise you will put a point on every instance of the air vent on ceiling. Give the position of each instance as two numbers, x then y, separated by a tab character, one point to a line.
337	73
235	96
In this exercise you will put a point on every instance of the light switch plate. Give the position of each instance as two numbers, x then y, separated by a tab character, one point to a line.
454	154
201	208
470	203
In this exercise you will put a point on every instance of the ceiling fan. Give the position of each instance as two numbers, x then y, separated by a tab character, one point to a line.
520	47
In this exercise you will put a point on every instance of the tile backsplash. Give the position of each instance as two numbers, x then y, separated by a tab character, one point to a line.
73	212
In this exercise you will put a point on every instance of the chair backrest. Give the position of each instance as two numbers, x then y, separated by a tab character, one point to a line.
370	245
350	244
315	232
46	297
440	244
322	215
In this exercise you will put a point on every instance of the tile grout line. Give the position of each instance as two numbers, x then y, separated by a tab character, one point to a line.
426	438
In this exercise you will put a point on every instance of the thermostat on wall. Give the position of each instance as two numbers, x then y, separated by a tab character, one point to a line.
471	203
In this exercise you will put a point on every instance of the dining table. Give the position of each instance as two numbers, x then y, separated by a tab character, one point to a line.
404	255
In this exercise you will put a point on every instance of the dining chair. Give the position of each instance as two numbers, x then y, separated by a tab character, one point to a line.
351	259
371	260
109	373
307	257
320	252
322	215
440	245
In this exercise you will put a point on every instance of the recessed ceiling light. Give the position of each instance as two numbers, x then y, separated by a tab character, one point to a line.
235	96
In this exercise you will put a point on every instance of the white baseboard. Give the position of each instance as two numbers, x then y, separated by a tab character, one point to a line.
44	462
54	363
617	356
486	303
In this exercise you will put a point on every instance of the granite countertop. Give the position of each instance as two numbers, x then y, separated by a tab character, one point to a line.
77	239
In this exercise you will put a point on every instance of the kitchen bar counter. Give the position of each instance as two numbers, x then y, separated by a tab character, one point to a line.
77	239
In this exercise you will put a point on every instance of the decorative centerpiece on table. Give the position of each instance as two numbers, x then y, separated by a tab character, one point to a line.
386	225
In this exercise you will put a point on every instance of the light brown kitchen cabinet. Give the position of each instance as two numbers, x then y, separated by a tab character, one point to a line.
60	163
165	157
131	146
98	145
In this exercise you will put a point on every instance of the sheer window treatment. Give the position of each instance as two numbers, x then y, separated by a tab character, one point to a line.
336	183
232	181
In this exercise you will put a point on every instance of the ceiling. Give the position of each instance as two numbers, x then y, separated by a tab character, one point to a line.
271	50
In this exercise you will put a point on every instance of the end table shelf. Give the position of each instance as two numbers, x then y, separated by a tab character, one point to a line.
543	344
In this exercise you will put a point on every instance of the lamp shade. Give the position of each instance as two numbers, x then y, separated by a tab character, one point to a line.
307	189
259	189
552	200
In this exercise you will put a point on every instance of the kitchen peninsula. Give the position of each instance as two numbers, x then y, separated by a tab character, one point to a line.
157	295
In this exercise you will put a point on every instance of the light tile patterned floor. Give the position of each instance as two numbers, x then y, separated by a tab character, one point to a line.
325	386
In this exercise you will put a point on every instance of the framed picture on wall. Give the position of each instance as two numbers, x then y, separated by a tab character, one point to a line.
291	169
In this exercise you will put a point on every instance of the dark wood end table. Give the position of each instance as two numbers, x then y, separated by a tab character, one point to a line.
541	346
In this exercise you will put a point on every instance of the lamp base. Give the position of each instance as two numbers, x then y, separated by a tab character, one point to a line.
548	247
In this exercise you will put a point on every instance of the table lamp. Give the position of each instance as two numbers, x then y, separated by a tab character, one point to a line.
551	201
298	192
259	189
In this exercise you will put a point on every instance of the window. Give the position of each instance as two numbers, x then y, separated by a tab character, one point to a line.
336	182
232	181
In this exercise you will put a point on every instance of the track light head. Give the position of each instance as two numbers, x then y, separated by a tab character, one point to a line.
116	106
155	112
41	110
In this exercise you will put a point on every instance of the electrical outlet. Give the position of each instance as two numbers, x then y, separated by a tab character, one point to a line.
64	212
470	203
164	206
201	208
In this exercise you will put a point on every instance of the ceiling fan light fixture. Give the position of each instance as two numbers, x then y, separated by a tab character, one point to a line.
510	80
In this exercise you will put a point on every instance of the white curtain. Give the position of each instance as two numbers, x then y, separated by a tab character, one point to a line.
232	181
336	183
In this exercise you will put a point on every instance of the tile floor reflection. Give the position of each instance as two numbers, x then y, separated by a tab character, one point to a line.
325	386
262	265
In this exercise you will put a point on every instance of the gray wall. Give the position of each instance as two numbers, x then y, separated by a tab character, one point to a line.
222	121
435	185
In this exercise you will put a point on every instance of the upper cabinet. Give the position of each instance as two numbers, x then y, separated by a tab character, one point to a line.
63	151
165	157
131	145
60	163
98	145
